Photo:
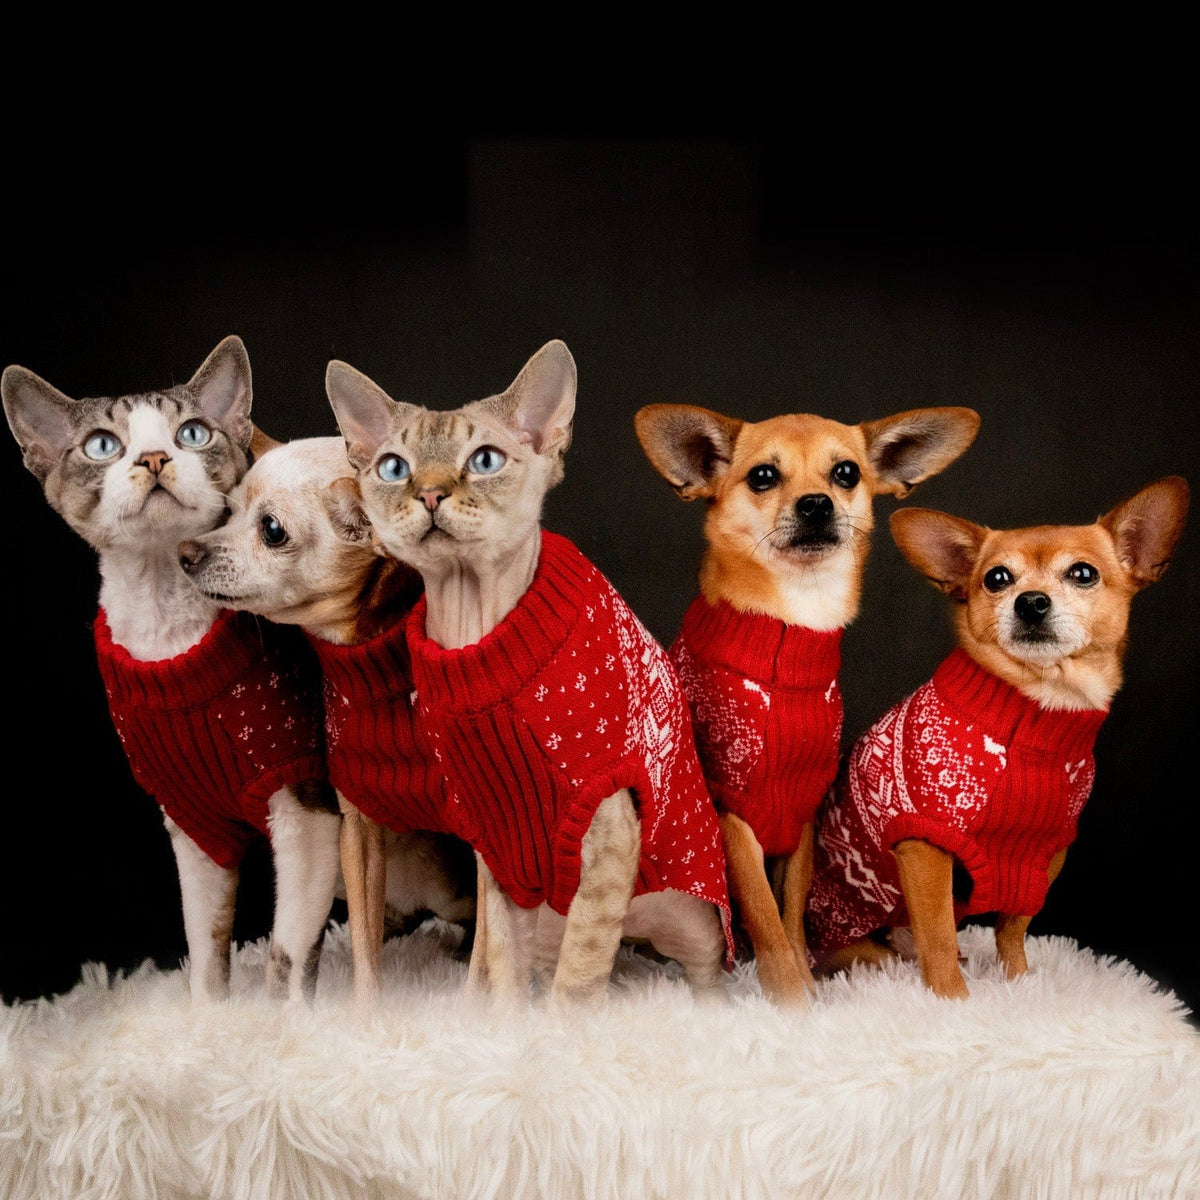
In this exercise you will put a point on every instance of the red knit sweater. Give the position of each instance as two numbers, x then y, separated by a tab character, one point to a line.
215	731
767	713
973	766
379	758
566	701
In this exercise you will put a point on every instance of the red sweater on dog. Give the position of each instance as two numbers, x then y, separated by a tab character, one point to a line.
378	757
767	713
215	731
566	701
969	764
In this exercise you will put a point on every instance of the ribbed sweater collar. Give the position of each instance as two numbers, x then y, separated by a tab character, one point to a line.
374	668
762	648
1008	715
194	677
494	669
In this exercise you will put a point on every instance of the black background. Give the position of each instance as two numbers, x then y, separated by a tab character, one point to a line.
1037	266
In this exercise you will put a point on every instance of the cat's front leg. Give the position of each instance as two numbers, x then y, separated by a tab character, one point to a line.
502	959
609	858
305	844
209	894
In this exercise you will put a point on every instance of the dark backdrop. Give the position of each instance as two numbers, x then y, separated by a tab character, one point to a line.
1045	277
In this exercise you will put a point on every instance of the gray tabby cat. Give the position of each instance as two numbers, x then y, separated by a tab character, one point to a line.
135	475
458	495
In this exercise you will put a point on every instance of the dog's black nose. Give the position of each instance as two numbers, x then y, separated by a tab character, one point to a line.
816	506
191	555
1032	607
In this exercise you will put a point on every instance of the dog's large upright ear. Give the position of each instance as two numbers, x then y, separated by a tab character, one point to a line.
365	413
224	389
690	447
913	445
40	417
943	548
1147	527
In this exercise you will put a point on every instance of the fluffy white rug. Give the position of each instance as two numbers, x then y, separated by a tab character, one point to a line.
1082	1079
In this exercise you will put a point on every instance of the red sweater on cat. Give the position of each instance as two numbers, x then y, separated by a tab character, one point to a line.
767	712
214	732
566	701
969	764
379	758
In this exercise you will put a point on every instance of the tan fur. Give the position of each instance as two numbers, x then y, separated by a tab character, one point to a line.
1077	667
475	538
757	560
330	578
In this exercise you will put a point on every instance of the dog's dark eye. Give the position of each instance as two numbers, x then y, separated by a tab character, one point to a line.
997	579
1083	574
273	533
845	474
762	477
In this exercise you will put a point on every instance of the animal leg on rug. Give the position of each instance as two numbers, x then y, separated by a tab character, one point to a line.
608	871
364	873
208	893
779	971
926	878
304	848
1010	930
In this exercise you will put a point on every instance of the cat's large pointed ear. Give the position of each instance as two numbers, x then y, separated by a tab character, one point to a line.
690	447
365	413
539	405
224	390
41	418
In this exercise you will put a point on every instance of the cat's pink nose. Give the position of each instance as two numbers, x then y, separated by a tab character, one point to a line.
154	461
432	497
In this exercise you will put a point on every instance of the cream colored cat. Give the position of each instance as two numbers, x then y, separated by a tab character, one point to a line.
559	721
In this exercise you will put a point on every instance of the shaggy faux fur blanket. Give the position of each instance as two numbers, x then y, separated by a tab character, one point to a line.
1080	1080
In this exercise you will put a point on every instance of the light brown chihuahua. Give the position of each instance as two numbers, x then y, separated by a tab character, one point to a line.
298	549
790	512
963	798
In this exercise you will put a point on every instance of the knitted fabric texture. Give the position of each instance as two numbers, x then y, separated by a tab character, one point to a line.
767	713
566	701
378	756
969	764
214	732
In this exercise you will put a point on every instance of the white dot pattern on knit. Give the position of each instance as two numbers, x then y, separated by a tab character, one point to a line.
634	705
729	713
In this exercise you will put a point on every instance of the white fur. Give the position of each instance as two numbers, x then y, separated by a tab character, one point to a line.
1080	1080
823	596
305	845
152	609
208	893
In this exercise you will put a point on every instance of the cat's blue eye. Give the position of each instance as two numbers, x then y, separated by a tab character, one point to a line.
101	446
193	434
392	468
487	460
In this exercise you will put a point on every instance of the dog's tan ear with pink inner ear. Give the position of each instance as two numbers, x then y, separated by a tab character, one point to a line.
790	514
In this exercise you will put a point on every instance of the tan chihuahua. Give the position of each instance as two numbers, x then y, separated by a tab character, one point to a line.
987	766
788	530
298	549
